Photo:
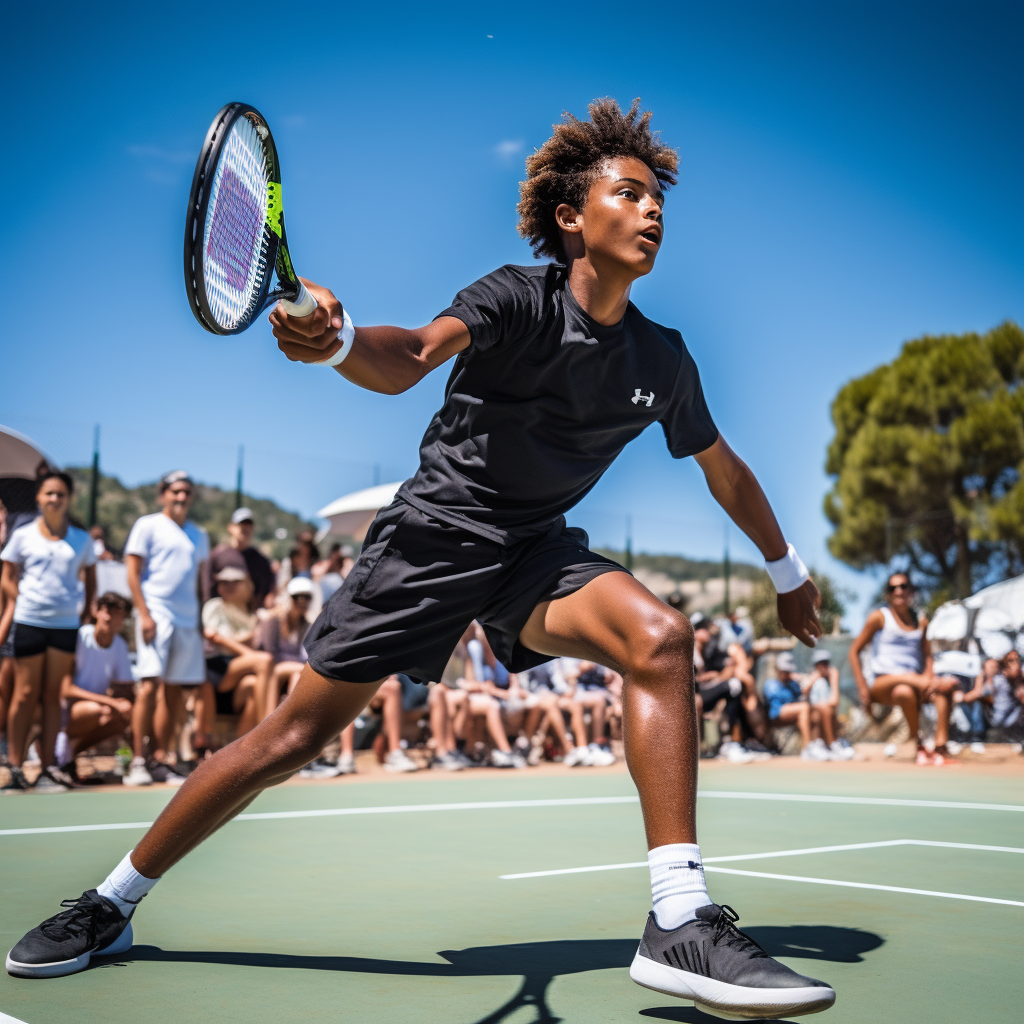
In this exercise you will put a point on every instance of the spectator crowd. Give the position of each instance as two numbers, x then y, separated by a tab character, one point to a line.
217	644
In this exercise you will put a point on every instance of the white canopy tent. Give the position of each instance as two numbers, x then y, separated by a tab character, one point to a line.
19	456
351	514
998	622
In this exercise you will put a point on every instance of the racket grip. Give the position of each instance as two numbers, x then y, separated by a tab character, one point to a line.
303	305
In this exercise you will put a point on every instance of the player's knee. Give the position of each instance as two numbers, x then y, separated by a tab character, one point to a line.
662	647
297	744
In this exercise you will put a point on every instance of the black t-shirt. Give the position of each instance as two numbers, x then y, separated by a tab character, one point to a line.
543	400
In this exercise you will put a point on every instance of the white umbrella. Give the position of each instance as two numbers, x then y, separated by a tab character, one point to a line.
20	457
999	618
351	514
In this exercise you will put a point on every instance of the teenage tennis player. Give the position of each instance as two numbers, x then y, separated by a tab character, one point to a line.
556	371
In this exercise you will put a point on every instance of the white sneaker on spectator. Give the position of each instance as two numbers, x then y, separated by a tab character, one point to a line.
954	748
447	763
599	757
578	756
503	758
977	747
815	751
137	775
536	754
735	753
47	783
841	751
319	769
347	764
399	761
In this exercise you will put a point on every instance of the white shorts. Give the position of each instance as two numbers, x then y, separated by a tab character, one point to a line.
175	655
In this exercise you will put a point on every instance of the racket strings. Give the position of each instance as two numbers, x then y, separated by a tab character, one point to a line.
236	237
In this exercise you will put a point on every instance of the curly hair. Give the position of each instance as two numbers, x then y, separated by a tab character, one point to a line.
565	167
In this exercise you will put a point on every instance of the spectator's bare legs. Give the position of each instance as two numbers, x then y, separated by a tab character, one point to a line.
348	741
260	665
286	675
486	707
942	698
225	783
6	690
143	713
389	700
440	721
798	714
905	692
698	707
205	711
168	718
824	715
90	723
28	685
576	723
615	621
597	705
247	699
458	709
547	708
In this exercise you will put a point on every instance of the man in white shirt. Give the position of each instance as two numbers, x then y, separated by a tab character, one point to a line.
165	555
101	661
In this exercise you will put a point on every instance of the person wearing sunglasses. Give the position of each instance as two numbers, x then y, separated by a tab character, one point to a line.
902	664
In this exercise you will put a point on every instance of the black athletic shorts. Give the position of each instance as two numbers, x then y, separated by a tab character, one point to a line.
418	584
27	640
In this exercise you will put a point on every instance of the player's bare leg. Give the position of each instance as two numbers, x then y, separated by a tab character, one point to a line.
617	622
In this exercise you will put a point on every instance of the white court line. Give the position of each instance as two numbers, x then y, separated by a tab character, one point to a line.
5	1019
778	853
482	805
867	885
570	802
875	801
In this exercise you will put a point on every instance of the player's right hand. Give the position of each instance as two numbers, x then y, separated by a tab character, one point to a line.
313	338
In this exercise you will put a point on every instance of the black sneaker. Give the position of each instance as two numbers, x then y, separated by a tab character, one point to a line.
160	772
91	925
17	783
725	972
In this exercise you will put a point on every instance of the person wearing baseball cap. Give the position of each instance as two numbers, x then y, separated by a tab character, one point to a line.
823	696
165	555
786	696
238	553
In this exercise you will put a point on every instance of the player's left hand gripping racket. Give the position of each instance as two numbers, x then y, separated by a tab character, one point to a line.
234	227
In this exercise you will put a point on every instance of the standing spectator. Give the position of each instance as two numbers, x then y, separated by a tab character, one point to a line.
43	564
902	663
823	695
165	555
101	661
238	553
1008	699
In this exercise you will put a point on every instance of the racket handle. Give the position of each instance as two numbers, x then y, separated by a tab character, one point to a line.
303	305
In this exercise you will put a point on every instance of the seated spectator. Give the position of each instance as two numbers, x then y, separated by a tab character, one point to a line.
977	701
823	696
591	692
388	701
239	674
238	553
743	627
282	635
902	666
786	695
92	713
331	573
544	714
1008	699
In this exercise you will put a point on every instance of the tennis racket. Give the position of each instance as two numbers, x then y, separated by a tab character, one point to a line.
234	227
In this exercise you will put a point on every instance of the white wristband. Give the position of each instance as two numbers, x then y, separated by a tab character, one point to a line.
788	572
347	335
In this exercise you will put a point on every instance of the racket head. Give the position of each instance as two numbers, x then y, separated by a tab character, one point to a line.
234	223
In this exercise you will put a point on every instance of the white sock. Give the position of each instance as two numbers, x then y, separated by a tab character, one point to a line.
125	887
677	883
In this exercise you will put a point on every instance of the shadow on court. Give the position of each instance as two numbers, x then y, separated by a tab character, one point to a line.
537	963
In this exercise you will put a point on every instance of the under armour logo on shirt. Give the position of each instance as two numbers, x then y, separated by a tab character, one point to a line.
638	398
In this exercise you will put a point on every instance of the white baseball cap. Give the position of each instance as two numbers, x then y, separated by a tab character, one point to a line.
300	585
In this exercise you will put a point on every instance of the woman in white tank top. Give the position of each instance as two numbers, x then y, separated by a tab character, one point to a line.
902	665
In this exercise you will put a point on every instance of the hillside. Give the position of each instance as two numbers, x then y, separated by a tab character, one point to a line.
678	568
119	506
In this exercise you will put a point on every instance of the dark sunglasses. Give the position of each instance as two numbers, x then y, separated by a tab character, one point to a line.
893	587
302	597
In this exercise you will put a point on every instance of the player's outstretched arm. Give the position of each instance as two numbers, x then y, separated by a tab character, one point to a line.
736	489
385	359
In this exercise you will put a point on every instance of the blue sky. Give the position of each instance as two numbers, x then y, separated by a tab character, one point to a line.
850	179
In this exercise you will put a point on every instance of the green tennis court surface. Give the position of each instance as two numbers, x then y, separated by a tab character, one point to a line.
401	914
